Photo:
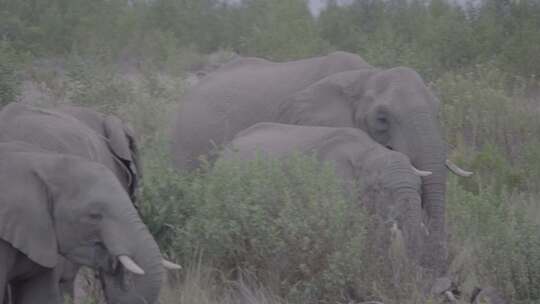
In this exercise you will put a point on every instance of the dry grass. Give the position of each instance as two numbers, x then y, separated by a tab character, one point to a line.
201	284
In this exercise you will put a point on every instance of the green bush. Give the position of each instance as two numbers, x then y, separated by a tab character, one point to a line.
285	30
9	79
293	228
91	83
499	232
488	121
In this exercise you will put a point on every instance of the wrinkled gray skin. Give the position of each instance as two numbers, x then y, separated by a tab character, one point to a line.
56	205
77	131
393	106
388	186
85	133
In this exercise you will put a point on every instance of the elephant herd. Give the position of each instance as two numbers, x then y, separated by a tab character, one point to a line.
341	108
69	175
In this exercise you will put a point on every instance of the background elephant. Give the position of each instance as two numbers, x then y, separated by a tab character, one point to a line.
56	205
242	93
388	184
393	106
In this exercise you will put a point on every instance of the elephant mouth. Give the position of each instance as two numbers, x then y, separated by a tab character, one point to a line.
120	278
93	255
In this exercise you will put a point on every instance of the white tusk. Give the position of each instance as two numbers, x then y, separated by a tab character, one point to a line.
424	228
450	296
420	172
457	170
130	265
170	265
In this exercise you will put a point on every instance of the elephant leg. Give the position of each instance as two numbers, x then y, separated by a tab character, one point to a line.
41	288
4	289
6	263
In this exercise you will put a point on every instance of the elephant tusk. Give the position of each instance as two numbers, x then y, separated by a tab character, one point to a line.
457	170
170	265
421	172
130	265
450	296
424	228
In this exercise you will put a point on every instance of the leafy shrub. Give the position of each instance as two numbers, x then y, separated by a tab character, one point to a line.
487	117
285	30
499	232
9	80
93	84
293	228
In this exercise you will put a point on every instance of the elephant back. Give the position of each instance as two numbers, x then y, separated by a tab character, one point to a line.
339	146
241	94
52	131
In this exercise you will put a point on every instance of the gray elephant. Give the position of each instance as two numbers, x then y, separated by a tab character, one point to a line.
81	132
78	131
389	186
393	106
55	205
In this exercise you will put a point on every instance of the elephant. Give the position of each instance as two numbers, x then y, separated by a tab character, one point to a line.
393	106
383	181
78	131
56	206
81	132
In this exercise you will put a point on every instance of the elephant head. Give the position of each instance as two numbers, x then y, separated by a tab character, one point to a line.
398	111
54	204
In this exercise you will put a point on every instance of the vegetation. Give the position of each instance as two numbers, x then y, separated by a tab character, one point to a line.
233	227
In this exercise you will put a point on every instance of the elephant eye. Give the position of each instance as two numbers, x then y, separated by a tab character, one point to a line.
95	216
382	123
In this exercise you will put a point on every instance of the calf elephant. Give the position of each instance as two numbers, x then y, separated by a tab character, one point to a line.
81	132
389	184
56	205
393	106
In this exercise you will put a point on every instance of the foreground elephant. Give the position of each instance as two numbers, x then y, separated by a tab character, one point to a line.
389	185
393	106
56	205
85	133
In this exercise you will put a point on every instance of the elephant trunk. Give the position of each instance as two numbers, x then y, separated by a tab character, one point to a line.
123	286
411	223
407	207
430	154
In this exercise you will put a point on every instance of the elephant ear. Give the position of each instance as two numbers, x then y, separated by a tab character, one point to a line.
26	220
122	143
328	102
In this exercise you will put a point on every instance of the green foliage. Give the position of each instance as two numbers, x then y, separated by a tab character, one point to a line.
9	79
163	189
488	118
284	30
91	83
499	231
293	228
